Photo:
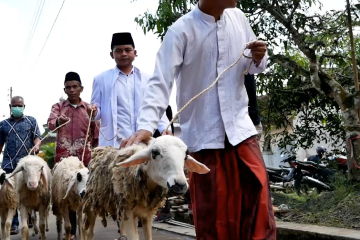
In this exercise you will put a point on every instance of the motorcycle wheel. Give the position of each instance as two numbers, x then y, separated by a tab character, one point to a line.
297	184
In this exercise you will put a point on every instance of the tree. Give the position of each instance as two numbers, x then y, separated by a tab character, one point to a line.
309	69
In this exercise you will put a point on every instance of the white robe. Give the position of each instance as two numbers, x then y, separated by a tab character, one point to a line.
104	95
196	48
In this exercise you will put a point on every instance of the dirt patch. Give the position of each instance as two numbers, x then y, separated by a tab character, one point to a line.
340	208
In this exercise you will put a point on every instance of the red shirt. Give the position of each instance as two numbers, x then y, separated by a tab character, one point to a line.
71	137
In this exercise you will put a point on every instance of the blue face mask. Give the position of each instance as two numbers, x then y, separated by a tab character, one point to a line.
17	111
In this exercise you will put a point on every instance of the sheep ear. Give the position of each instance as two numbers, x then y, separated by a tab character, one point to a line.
71	184
17	170
194	166
9	183
136	159
44	178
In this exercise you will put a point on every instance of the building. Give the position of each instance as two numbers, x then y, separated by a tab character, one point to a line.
51	138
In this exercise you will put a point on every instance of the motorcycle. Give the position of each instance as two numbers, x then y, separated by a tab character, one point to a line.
340	161
309	174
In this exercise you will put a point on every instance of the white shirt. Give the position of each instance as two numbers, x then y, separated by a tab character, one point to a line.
125	84
118	98
195	50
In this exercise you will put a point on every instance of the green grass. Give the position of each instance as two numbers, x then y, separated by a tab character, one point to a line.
340	208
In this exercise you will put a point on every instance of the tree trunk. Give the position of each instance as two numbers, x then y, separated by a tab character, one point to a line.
353	146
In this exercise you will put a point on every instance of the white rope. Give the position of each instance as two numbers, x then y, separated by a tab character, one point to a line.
87	135
47	135
213	84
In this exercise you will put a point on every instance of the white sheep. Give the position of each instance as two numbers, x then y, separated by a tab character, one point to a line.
8	203
33	186
141	177
68	187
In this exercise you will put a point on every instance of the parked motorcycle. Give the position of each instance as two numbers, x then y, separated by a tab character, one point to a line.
309	174
340	161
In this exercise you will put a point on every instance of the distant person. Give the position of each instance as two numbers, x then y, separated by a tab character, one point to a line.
71	137
117	94
19	134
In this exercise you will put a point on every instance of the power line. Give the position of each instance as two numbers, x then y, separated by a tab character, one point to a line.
37	9
35	23
48	34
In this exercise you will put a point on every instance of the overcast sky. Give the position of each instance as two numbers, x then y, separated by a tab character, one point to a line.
80	42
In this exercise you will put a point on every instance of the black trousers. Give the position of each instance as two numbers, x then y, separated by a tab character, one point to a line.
250	86
73	222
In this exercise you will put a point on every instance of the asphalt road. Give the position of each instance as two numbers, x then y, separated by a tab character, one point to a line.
101	233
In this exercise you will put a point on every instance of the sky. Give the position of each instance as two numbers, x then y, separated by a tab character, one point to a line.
80	42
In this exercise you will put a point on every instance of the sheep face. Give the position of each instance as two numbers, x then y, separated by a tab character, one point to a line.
33	172
32	176
78	182
165	159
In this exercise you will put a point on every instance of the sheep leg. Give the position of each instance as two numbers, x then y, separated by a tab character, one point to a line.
136	224
147	226
47	218
127	227
9	218
80	224
3	218
42	217
35	224
24	222
59	226
67	224
89	233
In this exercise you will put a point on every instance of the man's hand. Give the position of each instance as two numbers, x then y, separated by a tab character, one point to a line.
36	149
62	119
140	136
167	132
37	143
94	108
258	50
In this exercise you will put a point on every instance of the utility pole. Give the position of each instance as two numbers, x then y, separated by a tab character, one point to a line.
10	95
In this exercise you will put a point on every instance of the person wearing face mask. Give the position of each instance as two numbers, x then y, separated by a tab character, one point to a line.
71	137
19	134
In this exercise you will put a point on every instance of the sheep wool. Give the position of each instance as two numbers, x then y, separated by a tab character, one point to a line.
128	188
62	176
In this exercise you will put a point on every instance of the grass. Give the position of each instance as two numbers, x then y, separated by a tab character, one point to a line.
340	208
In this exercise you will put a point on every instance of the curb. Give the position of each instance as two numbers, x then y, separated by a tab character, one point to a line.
285	231
175	229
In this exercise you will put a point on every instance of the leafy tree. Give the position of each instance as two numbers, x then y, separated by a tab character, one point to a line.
309	72
48	151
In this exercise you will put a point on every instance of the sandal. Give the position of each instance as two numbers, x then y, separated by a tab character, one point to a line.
14	230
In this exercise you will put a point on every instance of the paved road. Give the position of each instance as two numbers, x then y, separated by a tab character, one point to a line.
102	233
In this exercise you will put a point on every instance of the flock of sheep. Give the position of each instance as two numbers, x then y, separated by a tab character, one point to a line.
126	184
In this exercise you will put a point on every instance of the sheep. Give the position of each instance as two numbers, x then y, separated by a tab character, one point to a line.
33	187
8	203
141	177
68	187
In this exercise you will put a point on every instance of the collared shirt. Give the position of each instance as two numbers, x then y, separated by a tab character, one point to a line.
125	87
112	88
70	138
195	50
18	137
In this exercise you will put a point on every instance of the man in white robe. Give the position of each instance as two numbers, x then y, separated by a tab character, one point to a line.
118	92
233	200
